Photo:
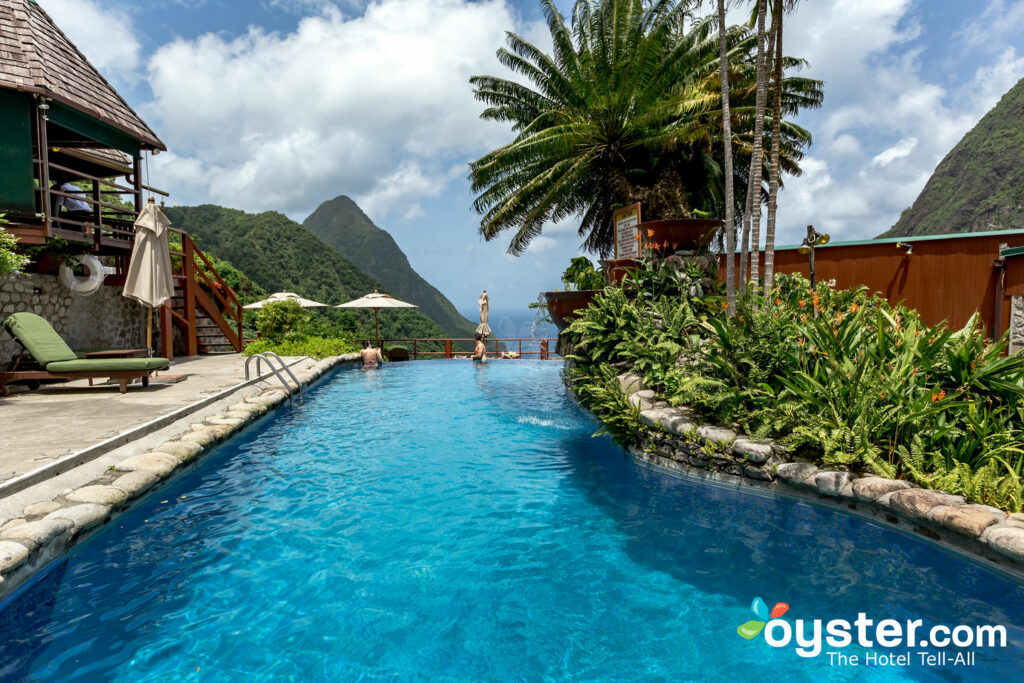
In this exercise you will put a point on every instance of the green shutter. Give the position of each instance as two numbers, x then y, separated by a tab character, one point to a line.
17	189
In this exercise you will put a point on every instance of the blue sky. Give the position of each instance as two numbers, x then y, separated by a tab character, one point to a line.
281	104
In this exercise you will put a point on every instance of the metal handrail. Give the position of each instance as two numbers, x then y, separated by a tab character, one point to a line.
266	356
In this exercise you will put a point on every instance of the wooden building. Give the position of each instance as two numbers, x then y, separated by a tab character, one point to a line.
944	277
71	167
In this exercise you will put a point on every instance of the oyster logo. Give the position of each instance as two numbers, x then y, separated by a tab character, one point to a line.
753	628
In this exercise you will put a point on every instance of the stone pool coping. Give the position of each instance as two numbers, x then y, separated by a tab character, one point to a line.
676	442
49	529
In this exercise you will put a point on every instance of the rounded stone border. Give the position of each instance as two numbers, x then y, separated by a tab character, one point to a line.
48	529
676	442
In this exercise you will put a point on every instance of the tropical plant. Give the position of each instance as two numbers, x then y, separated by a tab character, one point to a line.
278	320
11	262
581	275
626	109
304	345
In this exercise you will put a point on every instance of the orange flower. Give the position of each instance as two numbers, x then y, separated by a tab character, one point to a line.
881	395
815	300
650	231
777	299
803	317
725	305
939	396
638	237
801	302
854	308
800	341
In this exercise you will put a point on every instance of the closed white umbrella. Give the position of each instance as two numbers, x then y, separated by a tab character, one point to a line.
376	301
485	311
149	279
286	296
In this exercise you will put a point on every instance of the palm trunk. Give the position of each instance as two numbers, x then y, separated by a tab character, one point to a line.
773	176
744	221
728	199
756	154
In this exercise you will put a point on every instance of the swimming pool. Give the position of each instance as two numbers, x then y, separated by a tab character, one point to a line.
448	520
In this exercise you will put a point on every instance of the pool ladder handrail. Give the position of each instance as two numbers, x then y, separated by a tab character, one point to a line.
269	356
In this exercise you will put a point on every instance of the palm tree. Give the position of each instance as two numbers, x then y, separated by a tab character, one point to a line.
730	227
756	170
773	177
626	108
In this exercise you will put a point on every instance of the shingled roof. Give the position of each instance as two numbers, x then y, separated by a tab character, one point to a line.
36	57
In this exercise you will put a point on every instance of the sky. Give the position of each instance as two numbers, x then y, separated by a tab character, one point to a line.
282	104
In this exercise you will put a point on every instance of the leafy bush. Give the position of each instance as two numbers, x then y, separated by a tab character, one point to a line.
581	275
278	320
11	262
842	376
303	345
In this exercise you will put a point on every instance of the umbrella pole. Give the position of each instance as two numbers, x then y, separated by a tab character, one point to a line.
376	325
149	329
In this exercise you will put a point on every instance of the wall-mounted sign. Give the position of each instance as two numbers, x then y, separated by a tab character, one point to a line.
627	233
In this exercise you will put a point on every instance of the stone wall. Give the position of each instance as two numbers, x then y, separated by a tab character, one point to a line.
105	319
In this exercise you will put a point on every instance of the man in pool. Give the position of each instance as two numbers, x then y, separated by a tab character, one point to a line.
479	349
372	356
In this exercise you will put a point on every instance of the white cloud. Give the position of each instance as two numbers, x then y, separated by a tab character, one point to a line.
887	119
377	106
104	35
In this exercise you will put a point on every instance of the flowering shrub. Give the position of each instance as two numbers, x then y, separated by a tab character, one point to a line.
840	375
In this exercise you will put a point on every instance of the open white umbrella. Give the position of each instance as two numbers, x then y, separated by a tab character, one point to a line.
485	310
376	301
286	296
149	279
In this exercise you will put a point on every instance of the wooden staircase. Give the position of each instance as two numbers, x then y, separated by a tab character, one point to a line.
204	307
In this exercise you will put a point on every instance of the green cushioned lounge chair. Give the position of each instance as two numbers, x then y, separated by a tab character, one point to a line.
59	362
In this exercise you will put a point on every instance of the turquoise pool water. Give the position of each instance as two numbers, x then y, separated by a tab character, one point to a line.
451	521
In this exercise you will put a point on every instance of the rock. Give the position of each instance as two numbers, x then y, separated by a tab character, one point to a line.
652	417
202	437
12	554
796	472
1006	540
988	508
630	383
1016	516
719	435
11	523
41	508
160	464
832	483
917	503
135	483
84	516
221	431
224	420
101	495
678	422
240	415
754	451
39	533
762	473
267	400
184	451
639	402
870	489
966	520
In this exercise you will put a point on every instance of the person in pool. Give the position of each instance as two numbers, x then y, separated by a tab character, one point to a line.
372	356
479	349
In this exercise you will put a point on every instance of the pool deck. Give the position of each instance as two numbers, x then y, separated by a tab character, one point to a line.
43	427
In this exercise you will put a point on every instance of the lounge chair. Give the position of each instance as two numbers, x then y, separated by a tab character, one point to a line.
59	362
398	354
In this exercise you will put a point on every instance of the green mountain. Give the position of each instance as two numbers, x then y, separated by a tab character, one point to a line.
278	254
343	225
979	186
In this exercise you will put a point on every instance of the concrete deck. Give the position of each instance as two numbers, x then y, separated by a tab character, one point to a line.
42	426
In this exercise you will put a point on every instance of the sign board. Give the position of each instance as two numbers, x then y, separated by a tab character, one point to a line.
627	240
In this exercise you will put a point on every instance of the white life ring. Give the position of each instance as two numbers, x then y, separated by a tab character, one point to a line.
84	286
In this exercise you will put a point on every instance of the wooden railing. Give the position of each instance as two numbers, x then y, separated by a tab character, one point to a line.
217	300
545	347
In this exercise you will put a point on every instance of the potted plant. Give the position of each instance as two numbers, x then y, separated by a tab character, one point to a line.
691	234
583	282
